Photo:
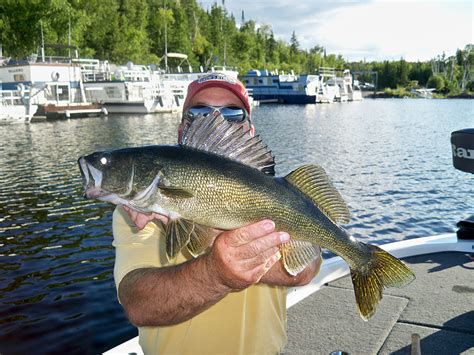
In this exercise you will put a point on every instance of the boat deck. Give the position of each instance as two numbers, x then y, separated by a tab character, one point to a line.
438	305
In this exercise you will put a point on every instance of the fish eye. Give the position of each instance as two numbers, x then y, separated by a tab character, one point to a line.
104	160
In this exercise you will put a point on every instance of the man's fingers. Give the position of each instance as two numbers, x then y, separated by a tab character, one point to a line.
248	233
261	259
263	244
142	219
272	261
261	269
161	217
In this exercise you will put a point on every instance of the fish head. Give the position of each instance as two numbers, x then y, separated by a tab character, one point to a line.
116	176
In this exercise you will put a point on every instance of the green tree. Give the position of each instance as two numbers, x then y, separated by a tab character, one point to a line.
402	73
436	82
131	43
21	22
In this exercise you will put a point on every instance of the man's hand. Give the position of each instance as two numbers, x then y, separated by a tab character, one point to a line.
239	258
141	219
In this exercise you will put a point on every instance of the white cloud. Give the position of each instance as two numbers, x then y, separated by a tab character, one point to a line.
374	30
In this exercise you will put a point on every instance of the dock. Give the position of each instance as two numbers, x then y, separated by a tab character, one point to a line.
438	306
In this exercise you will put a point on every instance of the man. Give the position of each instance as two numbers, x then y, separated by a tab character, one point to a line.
231	300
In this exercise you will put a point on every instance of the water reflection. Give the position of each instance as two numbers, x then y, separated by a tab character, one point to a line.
389	158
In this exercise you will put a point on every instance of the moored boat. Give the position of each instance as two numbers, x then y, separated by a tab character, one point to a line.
53	82
280	87
130	88
16	105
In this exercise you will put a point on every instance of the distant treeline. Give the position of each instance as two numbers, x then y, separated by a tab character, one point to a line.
135	30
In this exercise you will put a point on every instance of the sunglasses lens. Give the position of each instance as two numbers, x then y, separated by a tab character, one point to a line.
230	113
195	111
233	113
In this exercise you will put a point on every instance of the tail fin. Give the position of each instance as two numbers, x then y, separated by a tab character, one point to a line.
383	270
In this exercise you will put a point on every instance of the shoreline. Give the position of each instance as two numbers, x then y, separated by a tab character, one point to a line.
386	95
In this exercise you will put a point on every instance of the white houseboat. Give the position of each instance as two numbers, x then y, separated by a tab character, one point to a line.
15	105
280	87
54	86
325	87
142	89
126	89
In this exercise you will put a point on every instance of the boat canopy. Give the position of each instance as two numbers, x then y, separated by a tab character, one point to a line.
176	55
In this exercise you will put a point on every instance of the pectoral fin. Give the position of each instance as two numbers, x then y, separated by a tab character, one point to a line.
181	232
296	255
174	192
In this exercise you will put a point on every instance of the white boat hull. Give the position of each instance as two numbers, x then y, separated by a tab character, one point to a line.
335	268
17	113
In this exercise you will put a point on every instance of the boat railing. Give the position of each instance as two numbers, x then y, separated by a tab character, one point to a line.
57	60
327	72
228	70
96	75
13	97
94	69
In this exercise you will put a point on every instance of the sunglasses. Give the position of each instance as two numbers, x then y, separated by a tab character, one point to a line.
230	113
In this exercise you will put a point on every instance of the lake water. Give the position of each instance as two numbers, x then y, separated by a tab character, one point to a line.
390	159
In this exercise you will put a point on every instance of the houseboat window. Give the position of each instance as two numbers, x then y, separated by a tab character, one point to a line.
19	77
63	93
56	92
260	81
113	92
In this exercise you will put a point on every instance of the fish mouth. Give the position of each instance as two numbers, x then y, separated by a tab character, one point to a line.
92	179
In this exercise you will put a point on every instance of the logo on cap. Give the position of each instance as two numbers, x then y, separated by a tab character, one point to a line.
216	76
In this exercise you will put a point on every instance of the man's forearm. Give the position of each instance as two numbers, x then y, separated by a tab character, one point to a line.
237	259
170	295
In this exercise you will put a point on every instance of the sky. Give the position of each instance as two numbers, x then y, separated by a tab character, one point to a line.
367	29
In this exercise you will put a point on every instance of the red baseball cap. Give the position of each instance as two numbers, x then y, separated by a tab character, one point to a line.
220	80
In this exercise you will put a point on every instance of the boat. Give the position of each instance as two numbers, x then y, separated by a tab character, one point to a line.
281	87
423	93
176	78
355	94
133	88
332	270
325	87
70	110
129	88
348	88
16	105
328	89
52	84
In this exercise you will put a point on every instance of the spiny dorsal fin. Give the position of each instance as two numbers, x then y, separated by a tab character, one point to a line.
216	135
315	184
296	255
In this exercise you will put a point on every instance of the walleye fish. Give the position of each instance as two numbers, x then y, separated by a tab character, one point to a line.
221	177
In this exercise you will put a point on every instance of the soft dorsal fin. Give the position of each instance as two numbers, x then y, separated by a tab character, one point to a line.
315	184
214	134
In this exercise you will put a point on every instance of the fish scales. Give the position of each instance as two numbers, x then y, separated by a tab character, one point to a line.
229	195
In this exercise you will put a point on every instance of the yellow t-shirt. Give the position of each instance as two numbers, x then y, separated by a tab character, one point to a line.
252	321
